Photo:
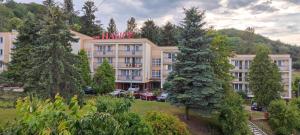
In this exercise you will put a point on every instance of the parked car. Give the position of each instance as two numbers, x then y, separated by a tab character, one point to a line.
147	96
256	107
89	90
133	89
118	93
162	97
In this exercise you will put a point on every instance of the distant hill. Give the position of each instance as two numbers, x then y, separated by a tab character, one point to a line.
244	42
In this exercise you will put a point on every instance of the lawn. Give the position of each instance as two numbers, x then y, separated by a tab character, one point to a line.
7	115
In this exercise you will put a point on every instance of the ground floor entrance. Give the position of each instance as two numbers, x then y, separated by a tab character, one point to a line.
141	86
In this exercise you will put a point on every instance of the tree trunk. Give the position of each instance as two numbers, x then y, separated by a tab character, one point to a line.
187	113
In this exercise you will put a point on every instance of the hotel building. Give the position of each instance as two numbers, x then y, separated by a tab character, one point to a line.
141	63
240	72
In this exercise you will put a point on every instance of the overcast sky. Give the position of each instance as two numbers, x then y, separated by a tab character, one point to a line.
276	19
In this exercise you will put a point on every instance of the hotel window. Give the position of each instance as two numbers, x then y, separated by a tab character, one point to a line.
238	86
99	60
127	60
136	72
137	48
247	64
1	52
155	62
238	75
1	40
1	64
125	72
110	60
109	48
138	60
279	63
170	67
155	73
128	48
238	64
246	76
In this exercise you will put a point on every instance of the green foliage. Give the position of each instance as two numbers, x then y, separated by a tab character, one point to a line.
165	124
194	84
264	78
295	85
233	117
84	68
104	78
151	31
169	35
54	66
283	118
45	117
131	25
88	19
112	28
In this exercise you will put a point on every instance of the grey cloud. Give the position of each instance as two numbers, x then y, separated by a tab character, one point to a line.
263	7
294	1
235	4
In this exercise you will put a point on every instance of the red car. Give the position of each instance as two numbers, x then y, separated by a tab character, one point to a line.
147	96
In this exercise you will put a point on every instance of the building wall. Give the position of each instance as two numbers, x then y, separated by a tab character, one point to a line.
241	71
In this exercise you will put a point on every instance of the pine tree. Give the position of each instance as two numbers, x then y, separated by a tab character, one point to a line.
88	20
53	63
150	31
112	28
69	10
48	2
22	53
264	78
131	25
104	78
169	33
193	83
84	68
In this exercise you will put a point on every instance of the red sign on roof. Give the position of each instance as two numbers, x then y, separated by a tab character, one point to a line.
121	35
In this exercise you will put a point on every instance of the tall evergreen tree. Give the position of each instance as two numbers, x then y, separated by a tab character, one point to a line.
168	34
193	83
22	53
112	27
150	31
264	78
48	2
53	63
88	20
69	10
104	78
131	25
84	68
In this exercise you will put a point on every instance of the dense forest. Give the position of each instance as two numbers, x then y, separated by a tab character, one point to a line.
12	15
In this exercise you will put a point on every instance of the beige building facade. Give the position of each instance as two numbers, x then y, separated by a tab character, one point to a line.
240	72
142	64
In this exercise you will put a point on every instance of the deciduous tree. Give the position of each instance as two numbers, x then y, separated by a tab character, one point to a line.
112	27
104	78
264	78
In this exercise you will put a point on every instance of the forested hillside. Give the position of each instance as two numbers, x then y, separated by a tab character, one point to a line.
245	42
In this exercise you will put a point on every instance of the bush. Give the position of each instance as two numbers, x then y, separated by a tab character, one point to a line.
283	118
165	124
233	118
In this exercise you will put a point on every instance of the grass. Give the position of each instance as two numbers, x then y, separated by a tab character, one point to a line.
7	115
142	107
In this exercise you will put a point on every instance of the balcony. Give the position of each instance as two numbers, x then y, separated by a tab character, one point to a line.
104	53
283	68
129	78
129	65
130	53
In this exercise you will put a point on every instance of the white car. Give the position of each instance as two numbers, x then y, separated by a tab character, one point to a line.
133	89
162	97
118	92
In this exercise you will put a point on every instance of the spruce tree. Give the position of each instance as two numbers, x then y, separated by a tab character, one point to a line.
84	68
21	60
131	25
168	34
264	78
193	83
48	2
104	78
88	20
69	10
54	66
112	28
150	31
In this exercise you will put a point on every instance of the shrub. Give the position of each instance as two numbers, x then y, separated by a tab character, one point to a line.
233	118
283	118
165	124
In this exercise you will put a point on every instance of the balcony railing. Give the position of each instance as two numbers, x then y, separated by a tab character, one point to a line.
129	65
129	78
104	53
130	53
